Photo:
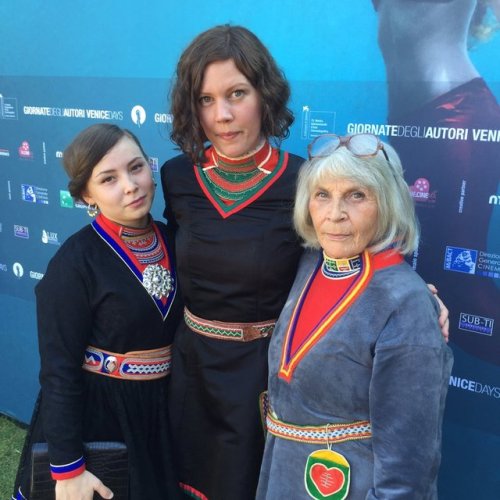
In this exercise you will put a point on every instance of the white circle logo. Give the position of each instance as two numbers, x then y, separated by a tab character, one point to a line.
18	270
138	115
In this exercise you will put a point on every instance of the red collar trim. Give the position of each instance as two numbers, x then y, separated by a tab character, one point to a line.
370	263
114	232
243	164
281	160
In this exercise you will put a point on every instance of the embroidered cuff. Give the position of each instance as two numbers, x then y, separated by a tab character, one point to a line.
67	471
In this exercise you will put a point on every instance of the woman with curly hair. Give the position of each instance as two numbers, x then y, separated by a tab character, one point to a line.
231	205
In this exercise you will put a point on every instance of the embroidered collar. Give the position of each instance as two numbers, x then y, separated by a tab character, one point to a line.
142	242
369	264
125	231
340	268
158	279
256	160
232	184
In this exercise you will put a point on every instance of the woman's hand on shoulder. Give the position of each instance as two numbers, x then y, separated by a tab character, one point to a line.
81	487
444	319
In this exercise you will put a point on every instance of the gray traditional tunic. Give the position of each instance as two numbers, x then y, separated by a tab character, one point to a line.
385	361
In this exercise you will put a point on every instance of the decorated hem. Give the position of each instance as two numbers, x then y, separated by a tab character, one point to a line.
19	495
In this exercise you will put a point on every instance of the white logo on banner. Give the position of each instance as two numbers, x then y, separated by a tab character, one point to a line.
18	270
138	115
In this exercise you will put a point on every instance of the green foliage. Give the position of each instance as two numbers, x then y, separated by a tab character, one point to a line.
11	444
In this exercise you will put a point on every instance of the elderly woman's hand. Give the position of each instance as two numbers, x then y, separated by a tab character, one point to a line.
444	320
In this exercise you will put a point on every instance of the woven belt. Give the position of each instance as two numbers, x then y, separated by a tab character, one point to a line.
314	434
240	332
135	365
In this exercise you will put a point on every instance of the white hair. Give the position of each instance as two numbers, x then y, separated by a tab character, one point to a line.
397	224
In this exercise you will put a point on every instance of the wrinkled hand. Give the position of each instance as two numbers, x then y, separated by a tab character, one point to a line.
444	319
81	487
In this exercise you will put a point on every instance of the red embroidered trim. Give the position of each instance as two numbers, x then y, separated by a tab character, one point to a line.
226	210
322	293
246	164
370	264
115	232
288	366
192	492
235	187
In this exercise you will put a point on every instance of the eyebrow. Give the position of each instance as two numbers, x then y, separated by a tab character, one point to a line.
111	170
231	87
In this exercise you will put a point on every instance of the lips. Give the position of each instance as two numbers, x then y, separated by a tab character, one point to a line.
227	136
137	202
337	237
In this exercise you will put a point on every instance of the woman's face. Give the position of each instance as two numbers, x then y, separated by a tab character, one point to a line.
344	215
122	185
229	109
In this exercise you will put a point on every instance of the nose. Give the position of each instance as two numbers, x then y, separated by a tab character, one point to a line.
129	184
336	210
223	112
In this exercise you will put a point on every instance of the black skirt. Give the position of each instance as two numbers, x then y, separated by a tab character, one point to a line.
216	425
134	412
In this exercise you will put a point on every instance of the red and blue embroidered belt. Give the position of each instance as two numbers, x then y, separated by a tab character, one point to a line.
240	332
314	434
134	365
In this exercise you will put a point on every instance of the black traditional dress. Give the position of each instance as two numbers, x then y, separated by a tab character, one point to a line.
96	293
237	255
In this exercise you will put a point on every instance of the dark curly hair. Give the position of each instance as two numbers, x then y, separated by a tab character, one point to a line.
252	59
87	150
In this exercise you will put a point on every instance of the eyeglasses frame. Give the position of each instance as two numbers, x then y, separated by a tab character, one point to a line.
344	141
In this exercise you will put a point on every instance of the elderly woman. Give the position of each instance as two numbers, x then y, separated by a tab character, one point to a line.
358	369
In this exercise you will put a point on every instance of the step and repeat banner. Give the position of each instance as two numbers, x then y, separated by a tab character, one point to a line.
416	73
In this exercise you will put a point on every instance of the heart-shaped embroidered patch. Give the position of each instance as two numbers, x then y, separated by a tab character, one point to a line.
328	480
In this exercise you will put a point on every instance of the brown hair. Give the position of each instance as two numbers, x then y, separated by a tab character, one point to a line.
252	59
87	149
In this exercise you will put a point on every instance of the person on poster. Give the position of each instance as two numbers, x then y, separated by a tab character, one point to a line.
107	309
237	253
358	369
451	154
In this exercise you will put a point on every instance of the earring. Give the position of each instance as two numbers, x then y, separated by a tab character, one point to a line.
92	210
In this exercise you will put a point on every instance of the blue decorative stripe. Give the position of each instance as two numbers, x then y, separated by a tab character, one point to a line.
298	308
61	469
108	238
295	318
119	251
19	495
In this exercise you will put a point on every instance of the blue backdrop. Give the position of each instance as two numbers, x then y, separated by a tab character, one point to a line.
66	65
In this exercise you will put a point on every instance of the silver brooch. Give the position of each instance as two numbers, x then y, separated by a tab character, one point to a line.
157	281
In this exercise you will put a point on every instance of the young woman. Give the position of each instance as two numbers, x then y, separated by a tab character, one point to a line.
236	250
107	309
